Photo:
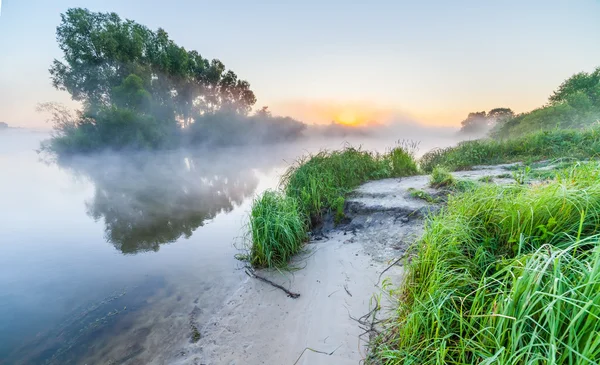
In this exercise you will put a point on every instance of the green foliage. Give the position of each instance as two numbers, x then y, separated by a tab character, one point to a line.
582	82
318	181
462	185
402	161
575	104
112	128
441	177
277	228
152	88
521	175
482	122
420	194
315	185
101	50
486	179
537	146
504	275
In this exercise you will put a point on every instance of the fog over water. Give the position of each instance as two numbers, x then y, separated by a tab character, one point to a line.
111	257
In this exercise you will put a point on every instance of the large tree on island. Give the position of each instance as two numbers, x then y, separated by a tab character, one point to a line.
103	51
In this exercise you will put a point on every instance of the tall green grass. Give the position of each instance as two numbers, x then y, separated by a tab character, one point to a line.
441	177
320	182
277	229
313	186
504	275
533	147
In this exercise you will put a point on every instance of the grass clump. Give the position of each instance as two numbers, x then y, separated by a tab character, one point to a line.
420	194
504	275
441	178
277	228
533	147
486	179
462	185
320	182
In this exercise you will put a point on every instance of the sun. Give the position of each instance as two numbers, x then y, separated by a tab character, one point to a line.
347	117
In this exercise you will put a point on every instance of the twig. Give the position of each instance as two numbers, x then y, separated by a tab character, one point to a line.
389	267
252	274
317	351
346	289
333	293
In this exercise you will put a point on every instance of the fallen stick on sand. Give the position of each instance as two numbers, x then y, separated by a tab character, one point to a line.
317	351
252	274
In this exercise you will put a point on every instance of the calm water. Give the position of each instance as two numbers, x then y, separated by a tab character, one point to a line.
106	259
113	259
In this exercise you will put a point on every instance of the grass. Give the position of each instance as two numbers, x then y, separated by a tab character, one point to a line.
441	178
504	275
320	182
420	194
529	148
277	229
313	187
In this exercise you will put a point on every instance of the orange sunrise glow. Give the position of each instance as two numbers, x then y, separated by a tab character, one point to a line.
324	112
347	118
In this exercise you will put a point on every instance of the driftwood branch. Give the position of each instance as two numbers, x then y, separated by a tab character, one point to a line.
251	273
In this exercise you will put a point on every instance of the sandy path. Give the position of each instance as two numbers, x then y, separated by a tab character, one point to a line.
260	325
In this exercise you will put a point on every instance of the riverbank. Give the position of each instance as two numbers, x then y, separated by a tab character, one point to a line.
340	277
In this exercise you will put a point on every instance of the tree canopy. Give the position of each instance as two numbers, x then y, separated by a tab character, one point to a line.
482	122
140	90
104	54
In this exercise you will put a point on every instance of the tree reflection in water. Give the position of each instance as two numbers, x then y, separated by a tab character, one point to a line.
147	200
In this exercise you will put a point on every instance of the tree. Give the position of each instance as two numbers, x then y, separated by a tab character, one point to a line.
101	51
582	83
482	122
500	114
475	123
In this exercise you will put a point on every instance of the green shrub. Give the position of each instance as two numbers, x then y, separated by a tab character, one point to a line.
277	228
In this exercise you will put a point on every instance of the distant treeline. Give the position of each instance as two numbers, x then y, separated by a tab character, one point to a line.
140	90
575	104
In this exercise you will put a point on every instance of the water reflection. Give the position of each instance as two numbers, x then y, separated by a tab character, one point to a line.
149	200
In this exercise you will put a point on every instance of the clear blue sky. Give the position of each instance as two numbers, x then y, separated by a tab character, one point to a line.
433	60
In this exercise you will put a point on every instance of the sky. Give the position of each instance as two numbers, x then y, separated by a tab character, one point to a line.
426	61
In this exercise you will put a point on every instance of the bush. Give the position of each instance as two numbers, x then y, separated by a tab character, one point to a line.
278	230
504	275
